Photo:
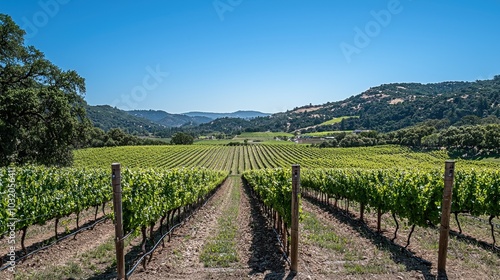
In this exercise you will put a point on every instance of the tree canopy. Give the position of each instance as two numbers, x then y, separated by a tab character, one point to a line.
181	138
42	113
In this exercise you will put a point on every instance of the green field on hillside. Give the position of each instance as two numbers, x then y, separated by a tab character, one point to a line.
337	120
326	133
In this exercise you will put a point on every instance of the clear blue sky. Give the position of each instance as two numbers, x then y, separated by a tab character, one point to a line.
267	55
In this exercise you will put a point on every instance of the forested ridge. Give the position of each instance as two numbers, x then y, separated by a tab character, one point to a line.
390	107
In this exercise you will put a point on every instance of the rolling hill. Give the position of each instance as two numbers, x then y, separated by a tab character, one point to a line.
107	117
389	107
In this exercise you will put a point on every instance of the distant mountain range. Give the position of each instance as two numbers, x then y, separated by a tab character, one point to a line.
238	114
169	120
386	107
151	121
191	118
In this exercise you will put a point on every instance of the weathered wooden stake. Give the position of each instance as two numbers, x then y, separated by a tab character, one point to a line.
361	211
284	235
55	227
294	254
445	215
117	206
379	217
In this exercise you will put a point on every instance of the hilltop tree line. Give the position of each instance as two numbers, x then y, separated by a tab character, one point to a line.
476	139
391	107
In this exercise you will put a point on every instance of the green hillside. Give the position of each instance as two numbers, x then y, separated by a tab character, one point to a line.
106	117
390	107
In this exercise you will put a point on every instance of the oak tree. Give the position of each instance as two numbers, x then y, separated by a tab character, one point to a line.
42	114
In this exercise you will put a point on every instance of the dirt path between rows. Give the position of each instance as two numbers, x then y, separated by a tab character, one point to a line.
258	252
180	259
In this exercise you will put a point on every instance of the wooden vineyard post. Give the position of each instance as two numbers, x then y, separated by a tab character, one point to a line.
294	253
117	206
445	216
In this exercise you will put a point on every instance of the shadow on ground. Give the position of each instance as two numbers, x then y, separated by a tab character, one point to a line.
399	254
267	257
